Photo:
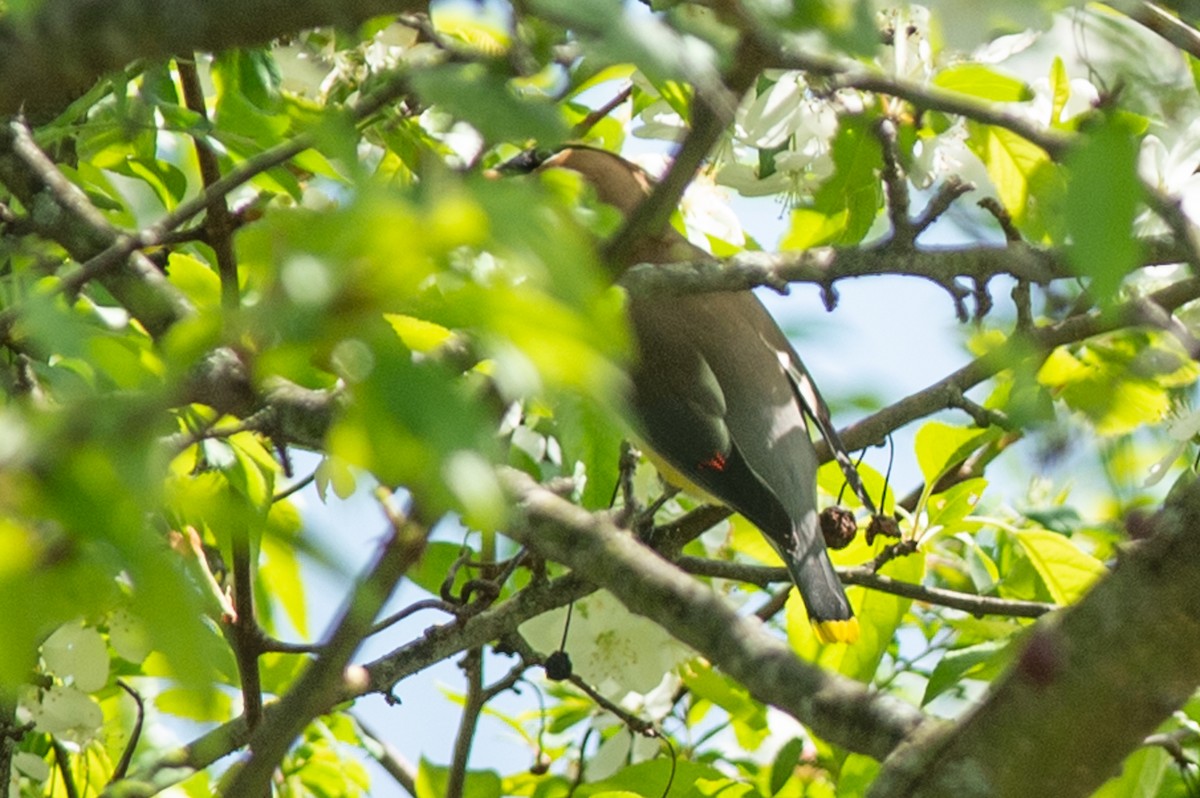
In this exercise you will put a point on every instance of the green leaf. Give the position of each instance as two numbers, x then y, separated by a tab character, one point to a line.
1060	90
1141	775
280	565
980	80
981	662
813	228
1066	571
431	782
748	717
949	508
198	281
1119	382
590	435
1012	163
167	180
647	779
785	763
198	705
939	447
435	564
490	104
1103	192
852	196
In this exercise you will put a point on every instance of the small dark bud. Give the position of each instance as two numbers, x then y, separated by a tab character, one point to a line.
1041	661
838	527
558	666
884	525
1140	525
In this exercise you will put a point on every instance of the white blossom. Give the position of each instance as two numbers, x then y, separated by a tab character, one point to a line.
1182	429
1173	171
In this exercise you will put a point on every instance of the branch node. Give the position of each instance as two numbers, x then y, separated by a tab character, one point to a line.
1011	234
949	191
829	296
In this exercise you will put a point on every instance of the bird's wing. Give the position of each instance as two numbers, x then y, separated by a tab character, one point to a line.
815	408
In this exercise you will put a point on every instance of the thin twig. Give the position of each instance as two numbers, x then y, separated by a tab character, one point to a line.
218	223
472	667
134	736
295	487
866	576
1171	28
63	757
316	690
412	609
895	184
391	760
246	636
588	122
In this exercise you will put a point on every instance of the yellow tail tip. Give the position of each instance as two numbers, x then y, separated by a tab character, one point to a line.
843	631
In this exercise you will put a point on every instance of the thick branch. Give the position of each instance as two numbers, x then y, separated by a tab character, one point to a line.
63	213
826	265
838	709
49	57
1088	687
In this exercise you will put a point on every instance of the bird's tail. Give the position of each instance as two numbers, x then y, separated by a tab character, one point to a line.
828	608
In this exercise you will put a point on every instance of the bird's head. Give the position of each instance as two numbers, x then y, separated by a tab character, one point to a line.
616	182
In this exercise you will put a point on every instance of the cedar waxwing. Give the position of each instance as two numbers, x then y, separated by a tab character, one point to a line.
720	399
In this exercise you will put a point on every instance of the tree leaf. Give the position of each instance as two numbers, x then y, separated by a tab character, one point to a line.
1066	571
982	81
1103	193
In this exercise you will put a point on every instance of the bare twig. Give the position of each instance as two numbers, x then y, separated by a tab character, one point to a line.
391	760
588	122
316	690
895	183
218	223
245	632
867	577
134	736
63	757
1171	28
472	667
412	609
947	192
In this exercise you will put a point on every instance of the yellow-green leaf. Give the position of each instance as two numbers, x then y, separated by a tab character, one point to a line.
980	80
1066	571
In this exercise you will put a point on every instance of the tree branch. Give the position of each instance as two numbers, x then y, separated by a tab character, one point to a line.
218	223
391	760
54	53
316	690
826	265
1116	664
838	709
944	393
844	74
763	575
61	212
